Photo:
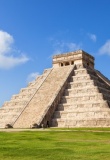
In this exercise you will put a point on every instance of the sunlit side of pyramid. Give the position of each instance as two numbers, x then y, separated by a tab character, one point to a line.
70	94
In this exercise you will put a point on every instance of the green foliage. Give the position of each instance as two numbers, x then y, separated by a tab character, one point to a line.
54	145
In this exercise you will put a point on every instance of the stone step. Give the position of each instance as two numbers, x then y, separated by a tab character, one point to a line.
81	113
27	90
31	88
36	81
91	98
105	96
10	109
84	71
104	90
9	114
91	72
19	100
94	122
14	104
88	90
82	109
83	104
102	77
27	96
86	84
100	84
79	92
70	102
8	117
83	95
2	126
39	78
92	89
83	77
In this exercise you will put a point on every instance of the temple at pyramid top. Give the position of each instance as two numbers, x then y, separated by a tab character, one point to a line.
72	58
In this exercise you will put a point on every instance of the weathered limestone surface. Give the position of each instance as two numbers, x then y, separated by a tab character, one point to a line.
86	101
11	110
35	109
71	94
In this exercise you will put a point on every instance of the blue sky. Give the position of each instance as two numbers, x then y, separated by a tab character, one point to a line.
31	31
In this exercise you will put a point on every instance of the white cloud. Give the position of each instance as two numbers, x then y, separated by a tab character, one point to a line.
8	55
105	49
93	37
7	62
32	76
6	40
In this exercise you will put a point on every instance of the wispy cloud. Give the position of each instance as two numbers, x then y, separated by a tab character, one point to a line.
105	49
61	47
93	37
7	62
32	76
73	46
8	55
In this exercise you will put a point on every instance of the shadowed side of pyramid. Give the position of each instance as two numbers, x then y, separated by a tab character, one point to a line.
85	102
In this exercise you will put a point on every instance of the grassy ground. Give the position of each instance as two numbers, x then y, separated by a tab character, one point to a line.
55	144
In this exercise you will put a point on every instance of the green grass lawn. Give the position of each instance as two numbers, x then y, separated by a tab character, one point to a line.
55	145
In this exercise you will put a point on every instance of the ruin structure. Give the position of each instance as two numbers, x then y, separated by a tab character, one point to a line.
70	94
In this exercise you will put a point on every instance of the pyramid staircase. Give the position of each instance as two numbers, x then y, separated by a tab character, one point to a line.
70	94
29	107
86	101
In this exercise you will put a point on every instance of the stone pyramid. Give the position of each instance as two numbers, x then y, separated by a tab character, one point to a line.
70	94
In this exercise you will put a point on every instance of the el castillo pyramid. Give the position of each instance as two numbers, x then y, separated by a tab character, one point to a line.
70	94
